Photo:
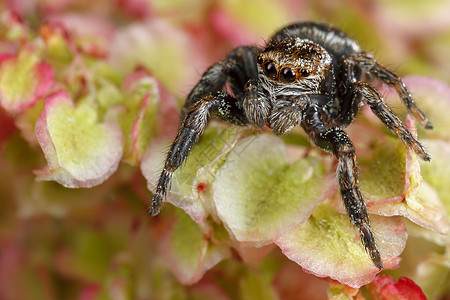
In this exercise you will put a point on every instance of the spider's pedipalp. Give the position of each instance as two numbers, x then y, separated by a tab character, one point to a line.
389	118
369	65
256	108
289	114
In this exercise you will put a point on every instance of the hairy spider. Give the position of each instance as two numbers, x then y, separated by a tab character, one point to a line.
308	75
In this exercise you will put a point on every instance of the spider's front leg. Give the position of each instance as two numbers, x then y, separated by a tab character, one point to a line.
389	118
369	65
192	127
238	67
336	141
366	92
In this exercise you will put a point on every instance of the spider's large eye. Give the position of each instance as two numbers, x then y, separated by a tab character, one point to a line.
271	70
304	72
288	75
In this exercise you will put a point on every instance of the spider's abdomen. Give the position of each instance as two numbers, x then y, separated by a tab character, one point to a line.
336	42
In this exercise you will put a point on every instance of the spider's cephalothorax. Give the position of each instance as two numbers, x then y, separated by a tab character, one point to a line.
308	75
288	69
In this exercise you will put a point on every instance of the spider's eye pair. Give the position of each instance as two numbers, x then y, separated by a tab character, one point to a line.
287	74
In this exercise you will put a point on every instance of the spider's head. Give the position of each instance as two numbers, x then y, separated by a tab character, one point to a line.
296	63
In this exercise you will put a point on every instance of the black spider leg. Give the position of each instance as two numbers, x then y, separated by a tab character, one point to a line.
192	127
238	67
203	100
364	91
336	141
369	65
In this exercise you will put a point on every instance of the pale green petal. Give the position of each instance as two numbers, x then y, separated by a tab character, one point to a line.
329	245
258	195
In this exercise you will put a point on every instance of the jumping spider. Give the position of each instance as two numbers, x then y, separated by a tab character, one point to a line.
308	75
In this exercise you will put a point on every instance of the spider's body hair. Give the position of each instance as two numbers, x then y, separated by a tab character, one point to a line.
308	75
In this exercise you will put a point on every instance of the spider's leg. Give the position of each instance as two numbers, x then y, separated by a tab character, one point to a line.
192	127
369	65
356	90
213	79
389	118
335	140
238	67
